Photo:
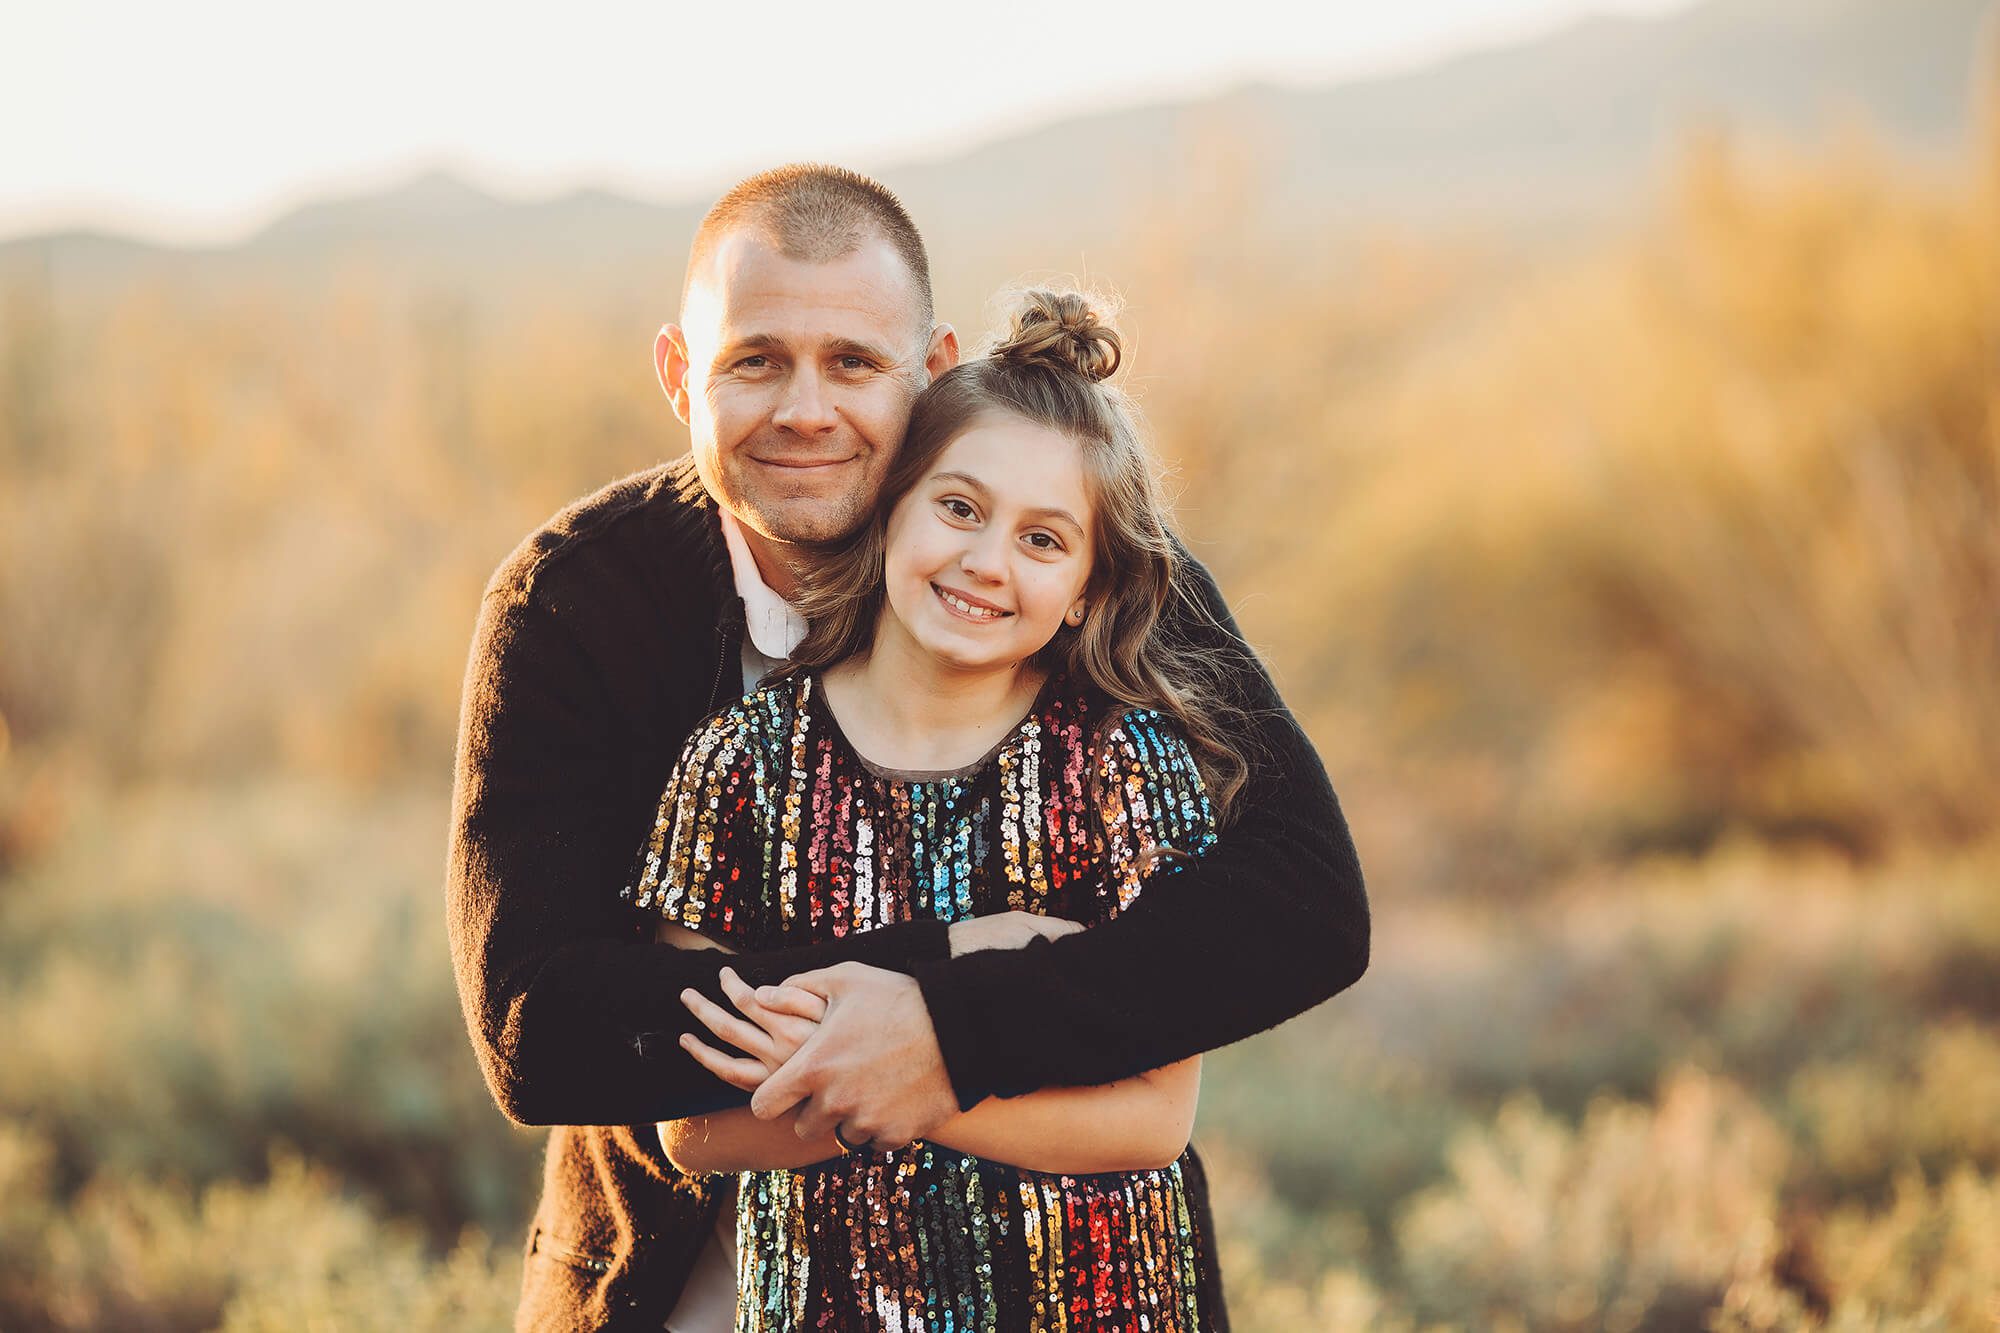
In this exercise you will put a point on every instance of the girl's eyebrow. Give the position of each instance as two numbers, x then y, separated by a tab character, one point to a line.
1062	516
962	479
967	480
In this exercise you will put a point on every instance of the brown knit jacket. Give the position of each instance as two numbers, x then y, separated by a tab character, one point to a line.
601	642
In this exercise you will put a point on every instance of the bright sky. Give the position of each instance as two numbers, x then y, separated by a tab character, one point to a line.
200	121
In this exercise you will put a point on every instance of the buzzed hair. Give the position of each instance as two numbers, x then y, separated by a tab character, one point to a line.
815	214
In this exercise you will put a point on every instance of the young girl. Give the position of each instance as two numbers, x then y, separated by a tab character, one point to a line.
985	717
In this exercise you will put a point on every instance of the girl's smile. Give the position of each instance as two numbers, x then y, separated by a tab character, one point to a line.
965	604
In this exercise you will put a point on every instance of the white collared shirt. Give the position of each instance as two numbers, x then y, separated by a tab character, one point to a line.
775	626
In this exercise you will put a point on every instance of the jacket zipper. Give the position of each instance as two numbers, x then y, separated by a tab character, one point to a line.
721	665
564	1254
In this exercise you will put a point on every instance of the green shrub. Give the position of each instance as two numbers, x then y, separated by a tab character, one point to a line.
195	980
1928	1263
288	1252
1933	1107
1638	1219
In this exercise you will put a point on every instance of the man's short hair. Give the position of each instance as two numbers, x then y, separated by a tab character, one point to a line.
815	214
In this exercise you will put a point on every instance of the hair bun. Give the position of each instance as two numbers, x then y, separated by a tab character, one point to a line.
1063	330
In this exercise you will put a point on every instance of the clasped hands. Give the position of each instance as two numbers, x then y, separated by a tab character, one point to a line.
851	1046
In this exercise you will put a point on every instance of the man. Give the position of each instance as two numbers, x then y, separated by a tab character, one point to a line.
806	331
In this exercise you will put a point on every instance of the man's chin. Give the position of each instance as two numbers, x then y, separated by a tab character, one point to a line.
802	522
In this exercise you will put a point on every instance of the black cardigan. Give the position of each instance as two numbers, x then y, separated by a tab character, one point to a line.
601	642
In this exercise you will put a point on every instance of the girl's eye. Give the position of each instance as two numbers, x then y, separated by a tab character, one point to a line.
1044	541
957	508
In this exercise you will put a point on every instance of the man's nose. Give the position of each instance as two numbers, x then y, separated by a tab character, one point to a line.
806	408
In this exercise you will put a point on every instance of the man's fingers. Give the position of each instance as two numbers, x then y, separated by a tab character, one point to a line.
815	1120
787	1086
747	1037
820	981
788	999
736	1071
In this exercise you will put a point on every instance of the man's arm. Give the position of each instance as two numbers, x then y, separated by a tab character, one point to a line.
572	1010
1158	983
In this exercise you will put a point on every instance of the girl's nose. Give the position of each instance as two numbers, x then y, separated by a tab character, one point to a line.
983	559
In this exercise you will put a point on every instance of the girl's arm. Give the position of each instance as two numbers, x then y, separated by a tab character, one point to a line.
738	1141
1134	1124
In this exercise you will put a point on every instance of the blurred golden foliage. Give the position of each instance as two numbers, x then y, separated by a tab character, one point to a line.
1695	532
290	1253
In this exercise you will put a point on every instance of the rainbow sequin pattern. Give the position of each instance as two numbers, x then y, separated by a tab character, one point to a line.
773	831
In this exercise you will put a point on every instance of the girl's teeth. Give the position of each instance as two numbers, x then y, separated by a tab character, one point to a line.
968	608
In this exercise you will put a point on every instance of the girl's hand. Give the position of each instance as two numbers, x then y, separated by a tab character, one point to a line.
767	1033
1006	930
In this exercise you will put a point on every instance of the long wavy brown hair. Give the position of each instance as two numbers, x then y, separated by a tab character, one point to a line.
1049	369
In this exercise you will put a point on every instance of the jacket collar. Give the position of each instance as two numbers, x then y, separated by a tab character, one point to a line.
691	531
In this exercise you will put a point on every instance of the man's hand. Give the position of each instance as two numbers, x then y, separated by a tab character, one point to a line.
872	1068
782	1018
1006	930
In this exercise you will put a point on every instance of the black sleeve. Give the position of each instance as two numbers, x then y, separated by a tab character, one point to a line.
573	1010
1271	921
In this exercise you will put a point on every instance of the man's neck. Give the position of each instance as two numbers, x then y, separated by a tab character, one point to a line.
777	562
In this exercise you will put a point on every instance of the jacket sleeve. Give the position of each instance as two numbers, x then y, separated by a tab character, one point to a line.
1272	920
573	1010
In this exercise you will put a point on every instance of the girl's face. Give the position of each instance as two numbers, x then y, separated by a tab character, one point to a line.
989	553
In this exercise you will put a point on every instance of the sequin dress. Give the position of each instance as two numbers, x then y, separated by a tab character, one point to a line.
773	831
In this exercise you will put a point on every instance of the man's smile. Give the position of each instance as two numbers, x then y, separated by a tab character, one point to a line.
806	464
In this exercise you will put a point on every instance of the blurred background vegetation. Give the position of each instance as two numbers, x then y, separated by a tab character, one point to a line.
1634	560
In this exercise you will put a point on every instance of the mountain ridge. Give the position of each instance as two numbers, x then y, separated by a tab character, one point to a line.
1553	130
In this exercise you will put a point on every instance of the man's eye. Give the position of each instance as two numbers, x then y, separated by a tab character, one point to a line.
853	363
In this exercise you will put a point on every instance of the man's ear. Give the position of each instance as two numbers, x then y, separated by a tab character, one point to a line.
670	360
942	354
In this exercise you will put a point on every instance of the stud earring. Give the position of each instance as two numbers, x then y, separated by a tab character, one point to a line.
1075	616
